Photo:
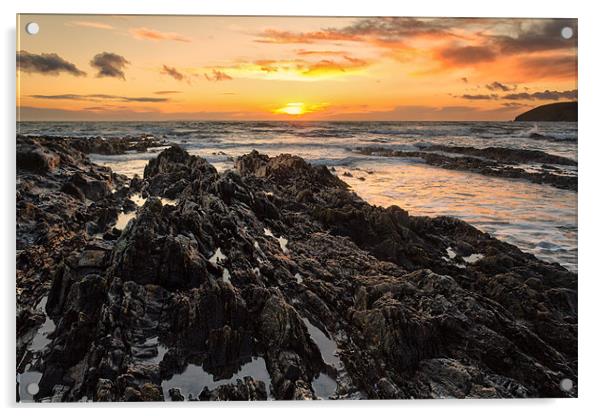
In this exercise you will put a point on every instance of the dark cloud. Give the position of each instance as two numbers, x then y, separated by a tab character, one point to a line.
109	65
46	63
546	95
498	86
538	35
466	55
479	96
217	75
513	105
167	92
396	28
285	36
173	72
464	80
100	97
379	29
491	38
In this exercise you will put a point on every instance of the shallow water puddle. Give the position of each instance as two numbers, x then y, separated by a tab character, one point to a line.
226	275
450	253
218	257
281	240
328	348
323	385
298	278
123	219
41	339
473	258
39	342
168	201
25	379
161	350
138	199
195	378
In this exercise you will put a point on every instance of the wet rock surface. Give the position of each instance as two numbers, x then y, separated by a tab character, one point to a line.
531	165
107	145
270	281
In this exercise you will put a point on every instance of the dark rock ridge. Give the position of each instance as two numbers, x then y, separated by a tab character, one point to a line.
230	276
551	112
492	161
110	145
507	155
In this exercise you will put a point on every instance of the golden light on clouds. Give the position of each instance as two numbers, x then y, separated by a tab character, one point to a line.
266	67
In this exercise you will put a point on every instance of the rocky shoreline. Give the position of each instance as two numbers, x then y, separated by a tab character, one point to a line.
543	168
268	281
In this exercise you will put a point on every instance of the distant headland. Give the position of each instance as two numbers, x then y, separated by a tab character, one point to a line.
566	111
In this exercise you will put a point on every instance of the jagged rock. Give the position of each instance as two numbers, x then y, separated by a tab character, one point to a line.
227	279
36	159
175	395
490	161
244	390
104	391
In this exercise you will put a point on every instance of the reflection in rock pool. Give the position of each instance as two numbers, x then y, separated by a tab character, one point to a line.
324	386
194	378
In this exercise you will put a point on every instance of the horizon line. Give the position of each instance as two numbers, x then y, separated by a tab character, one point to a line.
265	120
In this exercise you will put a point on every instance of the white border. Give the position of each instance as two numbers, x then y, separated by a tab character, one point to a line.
590	164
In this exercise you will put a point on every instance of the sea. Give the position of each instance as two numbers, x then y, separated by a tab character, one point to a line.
539	219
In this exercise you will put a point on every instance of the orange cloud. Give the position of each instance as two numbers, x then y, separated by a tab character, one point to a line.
174	73
376	30
144	33
328	66
217	75
442	44
465	55
267	65
304	52
310	68
546	67
284	36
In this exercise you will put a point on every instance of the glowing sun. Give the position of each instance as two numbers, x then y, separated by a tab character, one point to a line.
293	109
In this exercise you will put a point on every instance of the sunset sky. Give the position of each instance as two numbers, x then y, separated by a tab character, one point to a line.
303	68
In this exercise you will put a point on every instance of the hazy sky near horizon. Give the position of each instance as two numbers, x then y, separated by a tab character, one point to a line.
91	67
